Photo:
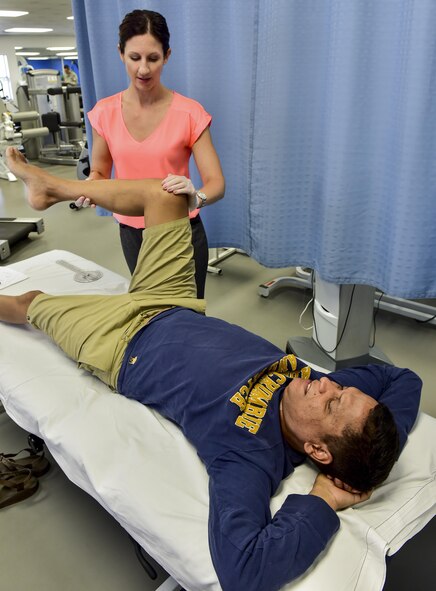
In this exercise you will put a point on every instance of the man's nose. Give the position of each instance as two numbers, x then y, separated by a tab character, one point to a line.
325	385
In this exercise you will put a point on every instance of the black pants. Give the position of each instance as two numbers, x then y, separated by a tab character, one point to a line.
131	240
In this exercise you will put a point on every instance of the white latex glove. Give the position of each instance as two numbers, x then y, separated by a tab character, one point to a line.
83	201
178	184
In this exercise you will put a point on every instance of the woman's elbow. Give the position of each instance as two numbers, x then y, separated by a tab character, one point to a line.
221	182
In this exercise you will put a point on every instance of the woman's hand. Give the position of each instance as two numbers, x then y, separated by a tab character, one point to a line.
178	185
83	201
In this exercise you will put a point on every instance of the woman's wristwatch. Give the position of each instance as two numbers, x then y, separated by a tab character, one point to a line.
201	199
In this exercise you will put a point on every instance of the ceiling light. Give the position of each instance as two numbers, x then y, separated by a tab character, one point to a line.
60	48
18	47
70	18
27	53
27	30
12	13
31	59
67	54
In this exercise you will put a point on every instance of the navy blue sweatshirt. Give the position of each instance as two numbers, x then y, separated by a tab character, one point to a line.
223	385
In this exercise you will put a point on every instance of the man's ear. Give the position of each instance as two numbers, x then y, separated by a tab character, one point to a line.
318	452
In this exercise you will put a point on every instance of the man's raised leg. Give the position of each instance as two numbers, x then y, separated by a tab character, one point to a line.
126	197
95	329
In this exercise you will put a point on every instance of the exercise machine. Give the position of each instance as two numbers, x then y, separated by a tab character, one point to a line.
59	109
12	230
61	152
12	134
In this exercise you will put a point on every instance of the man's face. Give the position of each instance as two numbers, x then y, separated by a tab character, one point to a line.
312	409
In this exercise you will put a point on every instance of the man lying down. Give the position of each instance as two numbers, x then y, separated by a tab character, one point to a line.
252	413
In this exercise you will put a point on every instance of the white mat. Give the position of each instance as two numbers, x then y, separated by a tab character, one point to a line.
142	470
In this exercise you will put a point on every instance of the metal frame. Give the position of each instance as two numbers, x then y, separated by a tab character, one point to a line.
220	254
34	225
401	306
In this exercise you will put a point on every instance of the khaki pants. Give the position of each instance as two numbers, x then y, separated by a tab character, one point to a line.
95	329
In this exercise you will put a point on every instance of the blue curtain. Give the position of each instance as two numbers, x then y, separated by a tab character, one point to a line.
324	118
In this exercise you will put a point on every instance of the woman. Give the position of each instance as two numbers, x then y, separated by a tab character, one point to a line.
150	131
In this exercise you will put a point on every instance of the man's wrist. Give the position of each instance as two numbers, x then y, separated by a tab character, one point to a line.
329	499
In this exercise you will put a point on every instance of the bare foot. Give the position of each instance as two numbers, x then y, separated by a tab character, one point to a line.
36	180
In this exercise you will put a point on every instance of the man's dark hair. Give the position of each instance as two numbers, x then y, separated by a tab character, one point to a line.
140	22
363	460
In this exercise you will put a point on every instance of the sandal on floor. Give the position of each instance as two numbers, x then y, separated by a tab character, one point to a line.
16	486
37	463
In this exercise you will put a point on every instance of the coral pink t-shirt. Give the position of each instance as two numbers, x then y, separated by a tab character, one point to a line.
166	150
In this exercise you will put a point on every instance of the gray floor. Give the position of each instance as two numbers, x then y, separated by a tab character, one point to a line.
61	538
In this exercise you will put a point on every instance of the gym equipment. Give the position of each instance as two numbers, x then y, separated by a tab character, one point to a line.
83	165
12	133
73	121
343	319
12	230
59	109
83	170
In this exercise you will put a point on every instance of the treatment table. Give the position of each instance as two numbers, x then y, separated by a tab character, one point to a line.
143	471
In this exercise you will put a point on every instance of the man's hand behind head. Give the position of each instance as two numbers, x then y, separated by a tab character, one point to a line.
336	493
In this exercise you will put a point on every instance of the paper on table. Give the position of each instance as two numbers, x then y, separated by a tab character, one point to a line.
9	277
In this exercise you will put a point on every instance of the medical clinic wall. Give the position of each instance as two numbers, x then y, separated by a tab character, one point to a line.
324	119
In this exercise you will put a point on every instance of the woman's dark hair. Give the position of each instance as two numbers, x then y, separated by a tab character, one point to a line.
140	22
363	460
